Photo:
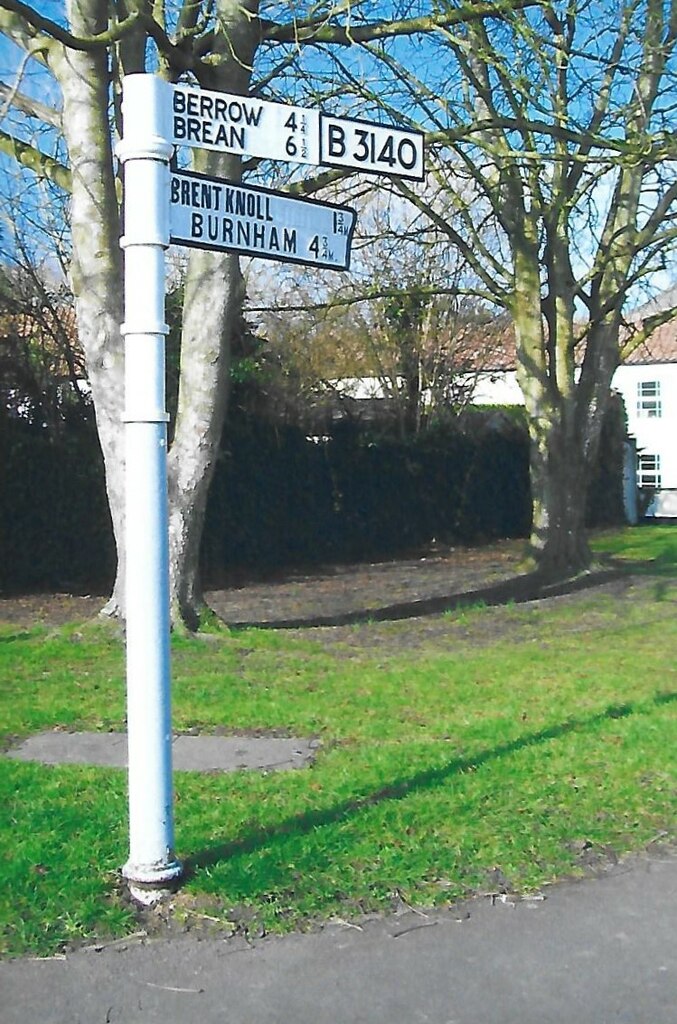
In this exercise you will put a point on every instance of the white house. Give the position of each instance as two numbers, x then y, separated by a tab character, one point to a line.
647	382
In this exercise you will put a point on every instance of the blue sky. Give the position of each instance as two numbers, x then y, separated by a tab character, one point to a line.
427	60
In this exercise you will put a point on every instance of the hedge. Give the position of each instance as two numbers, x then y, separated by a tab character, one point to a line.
278	498
55	527
281	498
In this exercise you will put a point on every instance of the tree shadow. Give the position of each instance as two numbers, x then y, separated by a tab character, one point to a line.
516	590
662	590
400	788
11	638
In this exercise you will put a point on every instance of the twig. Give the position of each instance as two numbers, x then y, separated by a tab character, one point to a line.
414	928
173	988
134	937
408	905
347	924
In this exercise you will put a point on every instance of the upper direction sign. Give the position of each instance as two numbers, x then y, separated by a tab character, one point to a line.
278	131
208	213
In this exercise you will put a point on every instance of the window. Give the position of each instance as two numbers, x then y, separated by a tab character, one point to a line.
649	471
649	398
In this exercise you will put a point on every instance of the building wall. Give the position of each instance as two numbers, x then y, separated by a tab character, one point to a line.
497	388
649	391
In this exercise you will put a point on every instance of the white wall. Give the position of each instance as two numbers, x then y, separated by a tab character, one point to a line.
499	388
490	388
656	435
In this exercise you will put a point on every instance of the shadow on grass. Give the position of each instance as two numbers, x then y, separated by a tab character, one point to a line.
516	590
400	788
11	638
662	590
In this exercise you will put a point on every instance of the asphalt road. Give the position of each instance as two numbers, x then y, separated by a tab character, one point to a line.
598	951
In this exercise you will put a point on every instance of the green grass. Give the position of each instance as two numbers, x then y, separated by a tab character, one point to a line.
648	544
437	765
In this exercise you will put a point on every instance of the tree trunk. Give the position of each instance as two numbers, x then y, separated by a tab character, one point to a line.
559	485
559	452
96	266
213	298
212	303
564	435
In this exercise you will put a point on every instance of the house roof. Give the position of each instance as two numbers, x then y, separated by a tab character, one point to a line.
498	354
487	348
659	347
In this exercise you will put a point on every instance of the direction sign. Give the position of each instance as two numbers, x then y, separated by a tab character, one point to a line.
221	121
209	213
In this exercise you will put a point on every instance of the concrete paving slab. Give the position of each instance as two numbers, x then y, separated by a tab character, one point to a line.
190	753
600	951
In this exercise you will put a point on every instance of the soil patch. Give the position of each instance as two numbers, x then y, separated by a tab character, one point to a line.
341	594
406	603
49	609
302	596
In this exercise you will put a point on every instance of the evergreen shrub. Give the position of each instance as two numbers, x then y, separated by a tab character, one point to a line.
280	497
55	527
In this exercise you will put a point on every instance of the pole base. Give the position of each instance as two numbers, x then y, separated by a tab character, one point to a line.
150	883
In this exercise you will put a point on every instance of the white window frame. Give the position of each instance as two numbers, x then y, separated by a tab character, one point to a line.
649	404
649	471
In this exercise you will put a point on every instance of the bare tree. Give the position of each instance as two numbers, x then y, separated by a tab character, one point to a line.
555	125
237	46
405	317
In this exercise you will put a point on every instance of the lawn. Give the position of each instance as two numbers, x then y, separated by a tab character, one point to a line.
518	743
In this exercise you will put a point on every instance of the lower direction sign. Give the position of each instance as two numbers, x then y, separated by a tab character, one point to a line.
209	213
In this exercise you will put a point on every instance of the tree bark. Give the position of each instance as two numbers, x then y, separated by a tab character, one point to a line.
96	267
559	486
565	422
212	303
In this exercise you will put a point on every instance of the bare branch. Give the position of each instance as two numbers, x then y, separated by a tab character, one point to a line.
52	30
30	106
320	32
638	335
368	295
31	157
309	186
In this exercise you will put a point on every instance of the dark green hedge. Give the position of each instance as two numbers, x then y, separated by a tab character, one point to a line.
55	528
605	494
277	498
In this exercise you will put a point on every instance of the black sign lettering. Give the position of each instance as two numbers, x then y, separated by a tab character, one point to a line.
337	141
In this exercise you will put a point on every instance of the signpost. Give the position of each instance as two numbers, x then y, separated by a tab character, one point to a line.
375	148
196	210
208	213
279	131
145	152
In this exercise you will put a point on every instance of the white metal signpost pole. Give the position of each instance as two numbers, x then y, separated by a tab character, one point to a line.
214	214
145	152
